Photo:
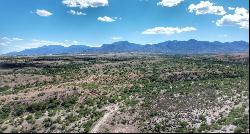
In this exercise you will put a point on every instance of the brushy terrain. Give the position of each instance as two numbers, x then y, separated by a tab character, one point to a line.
124	93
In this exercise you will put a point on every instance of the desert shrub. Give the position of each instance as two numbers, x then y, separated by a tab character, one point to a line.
203	127
38	114
182	127
19	109
71	118
153	113
202	118
4	112
30	119
241	122
87	126
14	130
90	101
215	126
41	94
52	113
238	130
47	122
96	115
157	127
90	85
3	89
69	102
131	102
113	99
84	111
53	103
58	120
36	107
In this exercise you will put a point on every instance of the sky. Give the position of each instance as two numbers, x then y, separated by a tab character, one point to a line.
28	24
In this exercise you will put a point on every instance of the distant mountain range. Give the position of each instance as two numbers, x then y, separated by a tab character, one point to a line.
169	47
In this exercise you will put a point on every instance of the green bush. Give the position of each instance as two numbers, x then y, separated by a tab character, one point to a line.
30	119
238	130
47	122
204	127
70	102
4	112
71	118
87	126
19	109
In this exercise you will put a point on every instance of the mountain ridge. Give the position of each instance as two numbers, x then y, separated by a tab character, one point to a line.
191	46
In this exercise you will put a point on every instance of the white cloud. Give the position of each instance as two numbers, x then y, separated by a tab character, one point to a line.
43	13
168	30
85	3
73	12
5	41
11	39
116	38
2	44
38	43
106	19
17	39
75	42
117	18
223	36
169	3
17	44
231	8
206	7
240	18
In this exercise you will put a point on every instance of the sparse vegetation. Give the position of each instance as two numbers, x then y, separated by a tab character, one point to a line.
153	93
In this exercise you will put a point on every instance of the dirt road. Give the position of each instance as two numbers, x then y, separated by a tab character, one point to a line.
111	110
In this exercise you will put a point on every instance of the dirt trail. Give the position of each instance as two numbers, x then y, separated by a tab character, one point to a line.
111	110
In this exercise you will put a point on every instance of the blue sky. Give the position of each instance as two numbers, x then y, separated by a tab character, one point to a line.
33	23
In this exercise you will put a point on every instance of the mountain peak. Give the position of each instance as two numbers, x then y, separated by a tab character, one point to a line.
192	40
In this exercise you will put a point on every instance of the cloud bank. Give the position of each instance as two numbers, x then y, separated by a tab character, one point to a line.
240	18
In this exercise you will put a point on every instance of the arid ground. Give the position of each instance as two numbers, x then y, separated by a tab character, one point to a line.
127	92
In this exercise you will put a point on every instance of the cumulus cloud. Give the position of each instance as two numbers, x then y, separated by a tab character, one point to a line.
73	12
169	3
168	30
85	3
116	38
240	18
106	19
43	13
206	7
